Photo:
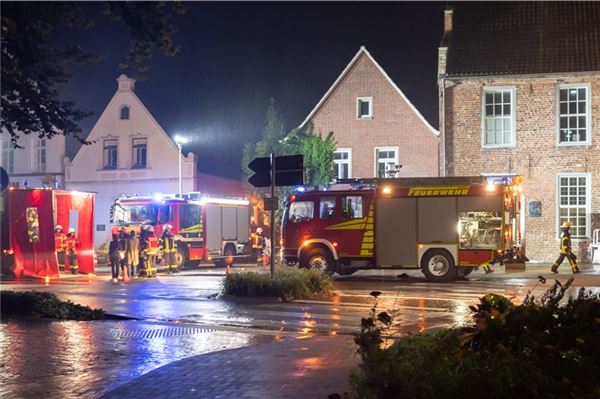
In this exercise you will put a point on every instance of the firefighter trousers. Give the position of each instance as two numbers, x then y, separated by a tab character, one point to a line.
61	260
72	256
570	257
150	265
170	261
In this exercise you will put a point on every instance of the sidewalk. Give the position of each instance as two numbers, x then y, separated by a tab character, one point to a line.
290	368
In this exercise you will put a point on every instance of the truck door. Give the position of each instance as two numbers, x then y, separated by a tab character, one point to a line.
298	224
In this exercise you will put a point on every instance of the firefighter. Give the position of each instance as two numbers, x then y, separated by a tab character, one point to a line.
71	250
487	268
149	247
565	250
113	257
258	245
60	243
168	248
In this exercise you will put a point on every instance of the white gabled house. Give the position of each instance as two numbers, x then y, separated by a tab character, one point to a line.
130	154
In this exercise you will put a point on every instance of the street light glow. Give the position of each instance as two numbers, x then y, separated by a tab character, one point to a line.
180	140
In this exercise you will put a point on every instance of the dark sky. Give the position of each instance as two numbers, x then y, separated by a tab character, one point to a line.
235	56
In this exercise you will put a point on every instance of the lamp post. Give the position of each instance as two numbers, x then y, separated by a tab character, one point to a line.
179	140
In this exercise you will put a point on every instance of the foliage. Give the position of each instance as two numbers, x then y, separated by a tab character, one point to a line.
44	304
536	349
32	68
286	284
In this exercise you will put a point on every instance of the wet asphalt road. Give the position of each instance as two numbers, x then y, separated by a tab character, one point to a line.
183	315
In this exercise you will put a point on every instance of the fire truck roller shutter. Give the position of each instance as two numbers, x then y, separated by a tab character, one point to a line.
229	218
395	231
487	203
438	220
213	230
243	224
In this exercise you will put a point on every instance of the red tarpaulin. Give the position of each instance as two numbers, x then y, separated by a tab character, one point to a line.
35	259
38	258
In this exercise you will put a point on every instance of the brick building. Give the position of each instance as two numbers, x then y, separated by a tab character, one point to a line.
375	126
520	94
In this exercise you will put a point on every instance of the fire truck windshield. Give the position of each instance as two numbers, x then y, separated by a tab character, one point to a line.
135	214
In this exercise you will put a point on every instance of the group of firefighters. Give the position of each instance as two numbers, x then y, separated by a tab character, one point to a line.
66	248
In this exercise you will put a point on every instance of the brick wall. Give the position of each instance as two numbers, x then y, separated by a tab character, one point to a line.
394	123
535	155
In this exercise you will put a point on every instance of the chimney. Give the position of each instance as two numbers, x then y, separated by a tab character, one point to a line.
125	83
448	20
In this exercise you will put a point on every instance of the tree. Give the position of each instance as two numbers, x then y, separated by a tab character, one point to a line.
32	68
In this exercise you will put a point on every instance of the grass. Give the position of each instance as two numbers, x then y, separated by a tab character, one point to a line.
44	305
287	284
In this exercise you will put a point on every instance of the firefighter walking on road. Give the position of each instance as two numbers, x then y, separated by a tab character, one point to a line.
565	250
60	244
168	249
71	250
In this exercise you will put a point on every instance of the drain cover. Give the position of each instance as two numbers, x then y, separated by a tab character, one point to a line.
165	332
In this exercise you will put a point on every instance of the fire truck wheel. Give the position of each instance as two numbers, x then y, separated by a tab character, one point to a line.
438	265
320	259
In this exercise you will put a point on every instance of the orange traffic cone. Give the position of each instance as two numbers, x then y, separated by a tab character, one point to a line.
125	276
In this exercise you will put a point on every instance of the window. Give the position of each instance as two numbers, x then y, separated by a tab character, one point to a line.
301	211
342	163
327	208
386	162
125	112
498	120
364	107
110	154
190	220
352	207
573	114
8	156
139	153
574	203
40	155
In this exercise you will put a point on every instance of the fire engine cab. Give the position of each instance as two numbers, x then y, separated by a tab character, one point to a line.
206	228
444	226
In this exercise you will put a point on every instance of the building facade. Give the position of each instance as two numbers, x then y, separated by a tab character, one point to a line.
378	132
520	95
130	154
39	163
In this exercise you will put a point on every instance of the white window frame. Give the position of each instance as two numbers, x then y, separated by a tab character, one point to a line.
364	99
396	159
128	113
8	156
513	107
588	114
344	161
133	152
104	161
39	150
588	203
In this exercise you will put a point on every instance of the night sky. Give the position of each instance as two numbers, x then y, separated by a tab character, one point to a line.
235	56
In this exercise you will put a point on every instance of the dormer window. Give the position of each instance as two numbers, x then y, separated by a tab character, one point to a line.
125	113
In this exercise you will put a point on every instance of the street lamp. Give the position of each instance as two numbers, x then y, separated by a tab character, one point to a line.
180	140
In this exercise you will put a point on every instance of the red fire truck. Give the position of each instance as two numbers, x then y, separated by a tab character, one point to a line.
444	226
206	228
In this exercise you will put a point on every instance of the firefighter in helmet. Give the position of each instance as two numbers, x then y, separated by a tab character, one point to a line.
168	248
71	250
149	247
565	250
60	244
258	244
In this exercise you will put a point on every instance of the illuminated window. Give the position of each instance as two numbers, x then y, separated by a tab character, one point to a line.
498	120
327	208
352	207
342	163
573	114
110	154
140	151
386	162
125	113
574	203
40	155
364	107
301	211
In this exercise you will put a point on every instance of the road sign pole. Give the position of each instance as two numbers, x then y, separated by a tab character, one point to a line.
272	216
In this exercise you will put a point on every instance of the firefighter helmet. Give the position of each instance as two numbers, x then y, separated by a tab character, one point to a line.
121	228
58	227
566	225
71	230
150	228
167	227
259	230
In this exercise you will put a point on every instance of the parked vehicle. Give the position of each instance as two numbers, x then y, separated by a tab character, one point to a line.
206	228
444	226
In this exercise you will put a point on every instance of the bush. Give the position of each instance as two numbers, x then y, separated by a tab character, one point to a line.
44	304
536	349
286	284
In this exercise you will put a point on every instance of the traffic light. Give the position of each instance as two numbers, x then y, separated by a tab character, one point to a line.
289	171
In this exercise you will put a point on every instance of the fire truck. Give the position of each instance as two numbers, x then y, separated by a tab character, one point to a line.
444	226
206	228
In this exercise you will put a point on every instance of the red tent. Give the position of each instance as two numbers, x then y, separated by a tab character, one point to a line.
32	215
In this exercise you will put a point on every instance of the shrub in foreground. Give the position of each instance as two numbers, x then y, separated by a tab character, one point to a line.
533	350
287	284
44	304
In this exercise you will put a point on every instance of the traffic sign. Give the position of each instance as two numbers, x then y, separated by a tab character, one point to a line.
289	171
3	179
271	204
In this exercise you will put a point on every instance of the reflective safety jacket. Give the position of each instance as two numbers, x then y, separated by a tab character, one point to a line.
565	242
258	241
72	243
150	244
167	242
60	241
